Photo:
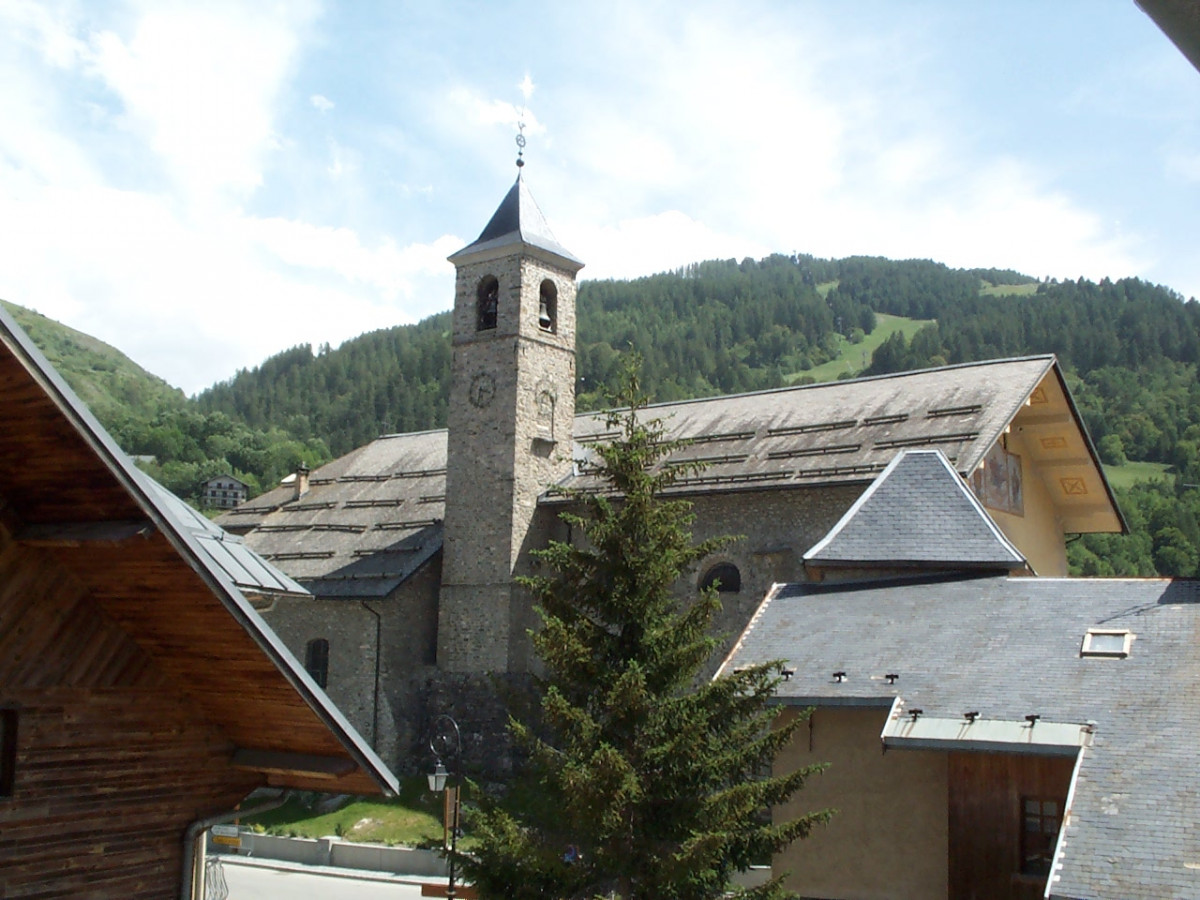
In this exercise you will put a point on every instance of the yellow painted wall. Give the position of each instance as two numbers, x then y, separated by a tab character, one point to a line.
1038	533
889	838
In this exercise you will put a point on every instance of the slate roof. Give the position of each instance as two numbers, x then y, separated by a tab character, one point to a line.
1010	647
373	517
369	520
227	552
518	220
918	512
840	431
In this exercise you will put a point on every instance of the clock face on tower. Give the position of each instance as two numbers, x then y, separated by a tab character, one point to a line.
482	390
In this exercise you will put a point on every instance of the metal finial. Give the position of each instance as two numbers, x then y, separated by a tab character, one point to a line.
521	140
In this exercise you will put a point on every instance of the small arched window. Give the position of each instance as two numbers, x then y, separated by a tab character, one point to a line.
725	576
487	302
548	306
316	661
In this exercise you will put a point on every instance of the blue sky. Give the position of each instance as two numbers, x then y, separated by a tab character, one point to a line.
204	184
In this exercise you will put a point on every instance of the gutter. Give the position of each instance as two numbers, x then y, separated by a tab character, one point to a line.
191	886
375	698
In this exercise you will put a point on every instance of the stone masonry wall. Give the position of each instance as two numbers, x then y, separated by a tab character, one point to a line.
510	419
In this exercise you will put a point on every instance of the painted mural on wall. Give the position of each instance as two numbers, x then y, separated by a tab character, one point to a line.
997	482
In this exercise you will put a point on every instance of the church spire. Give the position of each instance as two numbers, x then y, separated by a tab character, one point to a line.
518	221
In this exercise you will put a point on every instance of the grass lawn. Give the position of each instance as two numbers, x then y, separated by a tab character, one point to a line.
1129	474
1008	290
413	819
853	358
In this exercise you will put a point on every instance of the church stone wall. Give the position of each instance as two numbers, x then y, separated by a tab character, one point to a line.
776	528
407	633
350	630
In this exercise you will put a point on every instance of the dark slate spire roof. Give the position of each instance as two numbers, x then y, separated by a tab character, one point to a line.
917	512
518	221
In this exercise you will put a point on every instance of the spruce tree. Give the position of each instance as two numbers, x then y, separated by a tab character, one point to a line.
643	779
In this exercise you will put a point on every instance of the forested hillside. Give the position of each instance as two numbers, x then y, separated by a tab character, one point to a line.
179	444
1130	350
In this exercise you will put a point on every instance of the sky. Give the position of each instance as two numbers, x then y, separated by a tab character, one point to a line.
205	184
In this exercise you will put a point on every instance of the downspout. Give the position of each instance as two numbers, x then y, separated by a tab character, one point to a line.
375	699
187	878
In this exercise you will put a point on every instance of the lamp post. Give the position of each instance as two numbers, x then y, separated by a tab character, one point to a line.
445	741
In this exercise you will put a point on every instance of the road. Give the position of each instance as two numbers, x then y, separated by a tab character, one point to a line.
260	883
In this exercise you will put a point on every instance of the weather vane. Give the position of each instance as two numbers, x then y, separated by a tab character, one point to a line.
526	89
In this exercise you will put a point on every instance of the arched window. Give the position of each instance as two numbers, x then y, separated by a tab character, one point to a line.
316	661
725	576
548	306
487	301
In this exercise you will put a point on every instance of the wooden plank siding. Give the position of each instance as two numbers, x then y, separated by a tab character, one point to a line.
145	690
985	791
112	764
54	473
142	587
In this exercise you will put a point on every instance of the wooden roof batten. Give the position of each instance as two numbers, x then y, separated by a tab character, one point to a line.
95	466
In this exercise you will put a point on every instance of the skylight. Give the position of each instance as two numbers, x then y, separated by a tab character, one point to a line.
1105	642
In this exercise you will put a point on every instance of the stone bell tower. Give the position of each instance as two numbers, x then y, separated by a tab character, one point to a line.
512	408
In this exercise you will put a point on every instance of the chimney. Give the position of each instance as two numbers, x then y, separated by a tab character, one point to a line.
301	483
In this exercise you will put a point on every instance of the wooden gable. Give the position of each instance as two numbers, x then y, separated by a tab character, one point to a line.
143	690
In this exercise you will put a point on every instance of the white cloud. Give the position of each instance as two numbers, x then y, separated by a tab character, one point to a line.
198	84
650	244
158	195
477	110
526	87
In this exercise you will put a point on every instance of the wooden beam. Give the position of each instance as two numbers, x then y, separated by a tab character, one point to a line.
1068	462
75	534
281	763
1041	420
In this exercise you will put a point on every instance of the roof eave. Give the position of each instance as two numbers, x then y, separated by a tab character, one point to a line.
119	465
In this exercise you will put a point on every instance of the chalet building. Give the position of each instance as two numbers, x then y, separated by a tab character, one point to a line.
141	696
989	734
224	492
410	545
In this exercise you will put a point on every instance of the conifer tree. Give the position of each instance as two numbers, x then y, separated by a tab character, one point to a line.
643	780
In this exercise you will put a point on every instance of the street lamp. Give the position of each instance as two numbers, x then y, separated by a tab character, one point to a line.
445	741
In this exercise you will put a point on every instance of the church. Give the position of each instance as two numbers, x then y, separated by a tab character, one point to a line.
410	544
992	727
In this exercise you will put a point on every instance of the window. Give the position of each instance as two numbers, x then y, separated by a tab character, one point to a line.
548	306
487	302
1104	642
1041	818
725	576
316	661
8	751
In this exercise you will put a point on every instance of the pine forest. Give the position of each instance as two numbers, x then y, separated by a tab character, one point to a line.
1130	350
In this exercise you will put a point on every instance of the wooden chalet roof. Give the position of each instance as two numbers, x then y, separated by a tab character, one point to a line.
65	487
372	517
1180	21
